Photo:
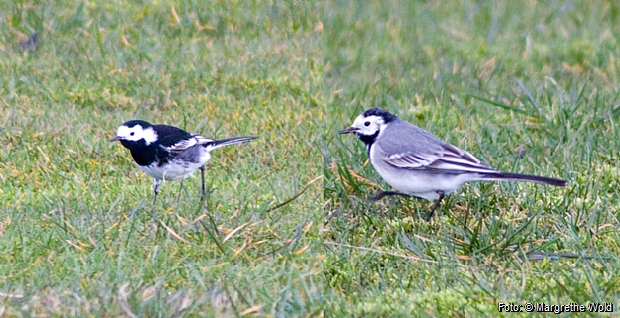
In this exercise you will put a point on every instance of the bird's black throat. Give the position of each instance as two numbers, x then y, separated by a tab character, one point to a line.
144	155
368	139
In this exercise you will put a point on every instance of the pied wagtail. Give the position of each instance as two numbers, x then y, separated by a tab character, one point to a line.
168	153
418	163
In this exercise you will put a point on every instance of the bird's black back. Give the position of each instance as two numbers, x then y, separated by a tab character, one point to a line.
167	136
170	135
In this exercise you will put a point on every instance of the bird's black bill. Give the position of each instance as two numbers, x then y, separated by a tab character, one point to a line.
117	138
348	130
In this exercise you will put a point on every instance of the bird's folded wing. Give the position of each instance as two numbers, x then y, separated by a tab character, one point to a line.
188	143
446	158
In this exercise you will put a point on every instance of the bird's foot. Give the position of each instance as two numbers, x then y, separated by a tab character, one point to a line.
383	194
441	196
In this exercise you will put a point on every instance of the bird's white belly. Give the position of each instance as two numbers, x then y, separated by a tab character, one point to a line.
419	183
175	169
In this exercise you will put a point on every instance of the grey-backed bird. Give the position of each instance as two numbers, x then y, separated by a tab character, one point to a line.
417	163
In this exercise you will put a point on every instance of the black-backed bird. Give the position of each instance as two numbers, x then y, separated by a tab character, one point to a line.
417	163
167	152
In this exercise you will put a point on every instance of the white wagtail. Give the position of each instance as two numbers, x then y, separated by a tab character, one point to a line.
168	153
418	163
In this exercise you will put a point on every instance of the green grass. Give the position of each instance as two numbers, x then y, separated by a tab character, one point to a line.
78	233
489	78
79	237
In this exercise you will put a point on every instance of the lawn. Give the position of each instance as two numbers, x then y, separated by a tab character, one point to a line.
78	233
528	87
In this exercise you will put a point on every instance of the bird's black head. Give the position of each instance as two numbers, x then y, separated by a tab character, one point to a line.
369	124
135	133
379	112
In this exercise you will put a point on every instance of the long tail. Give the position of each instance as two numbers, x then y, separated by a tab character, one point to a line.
225	142
507	176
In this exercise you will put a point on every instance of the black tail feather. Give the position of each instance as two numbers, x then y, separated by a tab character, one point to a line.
225	142
507	176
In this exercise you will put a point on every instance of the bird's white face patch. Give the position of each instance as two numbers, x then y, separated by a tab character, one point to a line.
137	133
368	126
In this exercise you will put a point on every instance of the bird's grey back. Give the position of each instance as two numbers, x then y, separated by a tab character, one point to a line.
400	137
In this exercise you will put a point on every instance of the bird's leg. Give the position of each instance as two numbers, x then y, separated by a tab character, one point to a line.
202	173
383	194
155	190
441	195
180	190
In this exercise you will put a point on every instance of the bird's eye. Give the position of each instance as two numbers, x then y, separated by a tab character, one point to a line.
132	133
367	124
